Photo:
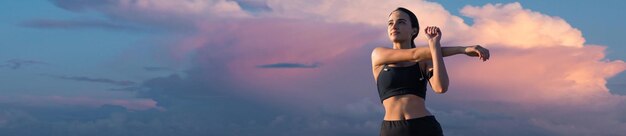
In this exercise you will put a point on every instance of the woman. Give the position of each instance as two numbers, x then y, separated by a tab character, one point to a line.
401	74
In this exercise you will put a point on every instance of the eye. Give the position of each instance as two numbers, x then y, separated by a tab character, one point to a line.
390	23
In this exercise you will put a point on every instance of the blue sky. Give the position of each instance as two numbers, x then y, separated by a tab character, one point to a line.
73	67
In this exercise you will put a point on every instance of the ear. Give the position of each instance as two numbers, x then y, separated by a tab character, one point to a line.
415	31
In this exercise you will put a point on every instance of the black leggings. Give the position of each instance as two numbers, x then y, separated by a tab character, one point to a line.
423	126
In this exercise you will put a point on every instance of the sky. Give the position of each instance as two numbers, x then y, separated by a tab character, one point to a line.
283	67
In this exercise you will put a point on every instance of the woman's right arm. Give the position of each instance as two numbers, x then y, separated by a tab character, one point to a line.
382	55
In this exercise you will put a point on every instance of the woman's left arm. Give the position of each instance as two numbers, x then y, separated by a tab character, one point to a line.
439	82
472	51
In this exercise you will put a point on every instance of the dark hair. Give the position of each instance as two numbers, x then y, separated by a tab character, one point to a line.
414	23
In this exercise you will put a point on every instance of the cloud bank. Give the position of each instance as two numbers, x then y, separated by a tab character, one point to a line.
542	79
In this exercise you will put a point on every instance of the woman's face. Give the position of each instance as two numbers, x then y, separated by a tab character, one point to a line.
399	27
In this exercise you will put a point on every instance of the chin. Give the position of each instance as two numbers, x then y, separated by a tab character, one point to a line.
395	39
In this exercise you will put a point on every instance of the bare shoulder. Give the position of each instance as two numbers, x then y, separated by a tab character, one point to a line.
377	53
377	56
379	49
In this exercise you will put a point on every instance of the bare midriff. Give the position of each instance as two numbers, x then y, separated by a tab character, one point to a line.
404	107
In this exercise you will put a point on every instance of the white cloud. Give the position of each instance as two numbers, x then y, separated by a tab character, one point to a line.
512	25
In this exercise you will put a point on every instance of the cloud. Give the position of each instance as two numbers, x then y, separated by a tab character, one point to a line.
541	80
158	14
95	80
19	63
288	65
512	25
54	101
566	89
142	7
76	24
534	68
218	96
570	76
471	122
157	69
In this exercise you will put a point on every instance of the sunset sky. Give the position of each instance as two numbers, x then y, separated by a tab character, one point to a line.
291	67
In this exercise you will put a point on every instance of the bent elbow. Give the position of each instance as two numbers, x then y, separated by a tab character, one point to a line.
441	86
441	90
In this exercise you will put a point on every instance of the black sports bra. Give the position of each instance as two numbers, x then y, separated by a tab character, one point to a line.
394	81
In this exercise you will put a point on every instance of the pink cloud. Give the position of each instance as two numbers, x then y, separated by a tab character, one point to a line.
159	14
539	62
269	41
374	14
549	75
512	25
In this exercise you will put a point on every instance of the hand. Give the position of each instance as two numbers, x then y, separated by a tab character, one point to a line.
433	33
477	50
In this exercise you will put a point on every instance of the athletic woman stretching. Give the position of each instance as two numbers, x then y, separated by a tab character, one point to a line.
401	74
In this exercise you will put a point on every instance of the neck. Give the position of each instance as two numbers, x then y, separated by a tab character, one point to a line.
402	45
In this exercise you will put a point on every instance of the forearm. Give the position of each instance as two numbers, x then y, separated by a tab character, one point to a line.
424	52
449	51
439	81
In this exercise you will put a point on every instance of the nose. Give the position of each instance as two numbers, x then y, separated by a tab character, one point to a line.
394	27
